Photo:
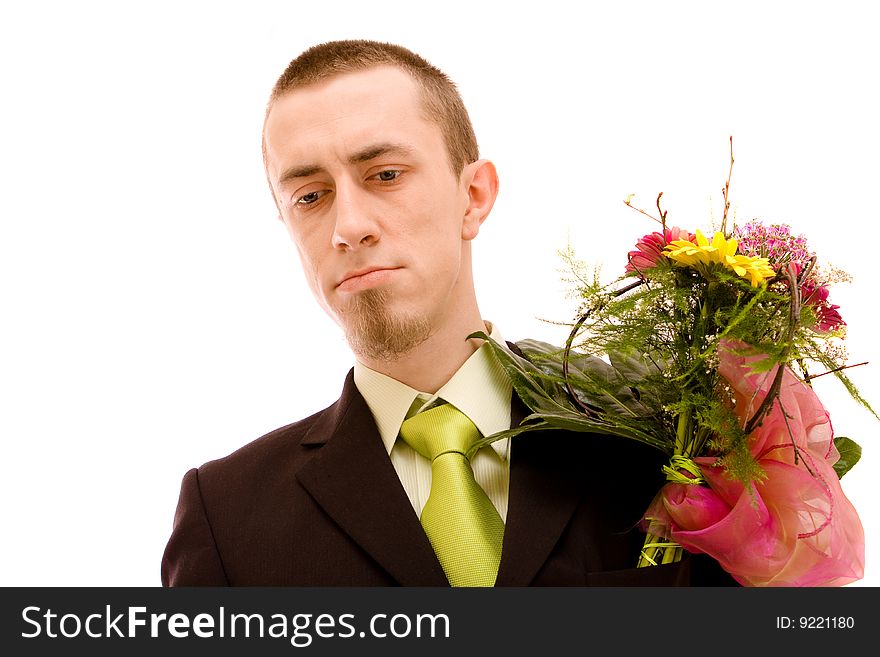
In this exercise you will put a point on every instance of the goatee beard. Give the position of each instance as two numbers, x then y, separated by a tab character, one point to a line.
375	333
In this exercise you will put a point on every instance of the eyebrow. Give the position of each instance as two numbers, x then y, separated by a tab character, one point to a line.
365	154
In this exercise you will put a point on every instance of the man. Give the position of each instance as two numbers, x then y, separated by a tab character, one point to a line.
374	168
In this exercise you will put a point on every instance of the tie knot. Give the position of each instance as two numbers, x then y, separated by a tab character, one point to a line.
440	430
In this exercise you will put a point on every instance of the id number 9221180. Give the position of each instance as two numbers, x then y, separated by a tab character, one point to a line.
815	622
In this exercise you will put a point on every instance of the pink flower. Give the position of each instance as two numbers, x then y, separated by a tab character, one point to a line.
794	528
649	249
816	296
774	242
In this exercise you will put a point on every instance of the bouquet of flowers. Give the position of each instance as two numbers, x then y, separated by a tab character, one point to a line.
705	349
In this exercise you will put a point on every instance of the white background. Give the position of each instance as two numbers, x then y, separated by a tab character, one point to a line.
154	315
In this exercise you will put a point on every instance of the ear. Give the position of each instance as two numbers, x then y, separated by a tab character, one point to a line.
481	183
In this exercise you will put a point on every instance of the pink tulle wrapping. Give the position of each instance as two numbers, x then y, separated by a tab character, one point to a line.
797	528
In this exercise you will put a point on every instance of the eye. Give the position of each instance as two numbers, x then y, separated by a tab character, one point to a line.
388	175
311	198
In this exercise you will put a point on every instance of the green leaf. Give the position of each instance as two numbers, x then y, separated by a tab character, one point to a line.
597	384
551	408
639	372
850	453
634	368
526	379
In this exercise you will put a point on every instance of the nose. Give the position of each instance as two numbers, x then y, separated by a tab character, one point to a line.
355	225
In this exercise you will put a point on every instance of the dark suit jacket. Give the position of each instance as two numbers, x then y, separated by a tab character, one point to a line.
318	503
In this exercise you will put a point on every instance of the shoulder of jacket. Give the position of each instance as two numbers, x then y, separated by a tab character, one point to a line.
281	443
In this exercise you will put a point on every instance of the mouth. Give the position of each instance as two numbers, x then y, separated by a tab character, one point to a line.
362	279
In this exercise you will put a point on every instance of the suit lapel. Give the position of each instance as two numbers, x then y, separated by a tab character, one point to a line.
353	480
542	498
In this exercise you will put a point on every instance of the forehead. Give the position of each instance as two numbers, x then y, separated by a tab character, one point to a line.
334	117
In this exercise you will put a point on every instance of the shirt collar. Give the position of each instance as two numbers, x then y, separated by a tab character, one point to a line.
480	389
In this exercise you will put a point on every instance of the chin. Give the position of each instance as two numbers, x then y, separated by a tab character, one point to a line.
377	331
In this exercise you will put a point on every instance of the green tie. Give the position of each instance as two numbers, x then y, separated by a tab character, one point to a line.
461	522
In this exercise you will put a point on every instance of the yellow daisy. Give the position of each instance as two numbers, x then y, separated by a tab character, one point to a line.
756	269
720	251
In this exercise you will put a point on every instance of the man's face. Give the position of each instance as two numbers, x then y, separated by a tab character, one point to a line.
363	183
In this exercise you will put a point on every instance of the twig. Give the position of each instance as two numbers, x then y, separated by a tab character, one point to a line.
806	372
808	269
567	354
662	215
565	358
650	216
636	269
837	369
624	290
797	451
726	191
794	313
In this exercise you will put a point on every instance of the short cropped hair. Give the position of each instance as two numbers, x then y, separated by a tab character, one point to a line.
440	98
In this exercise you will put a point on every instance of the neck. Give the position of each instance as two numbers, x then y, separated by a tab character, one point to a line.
429	365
